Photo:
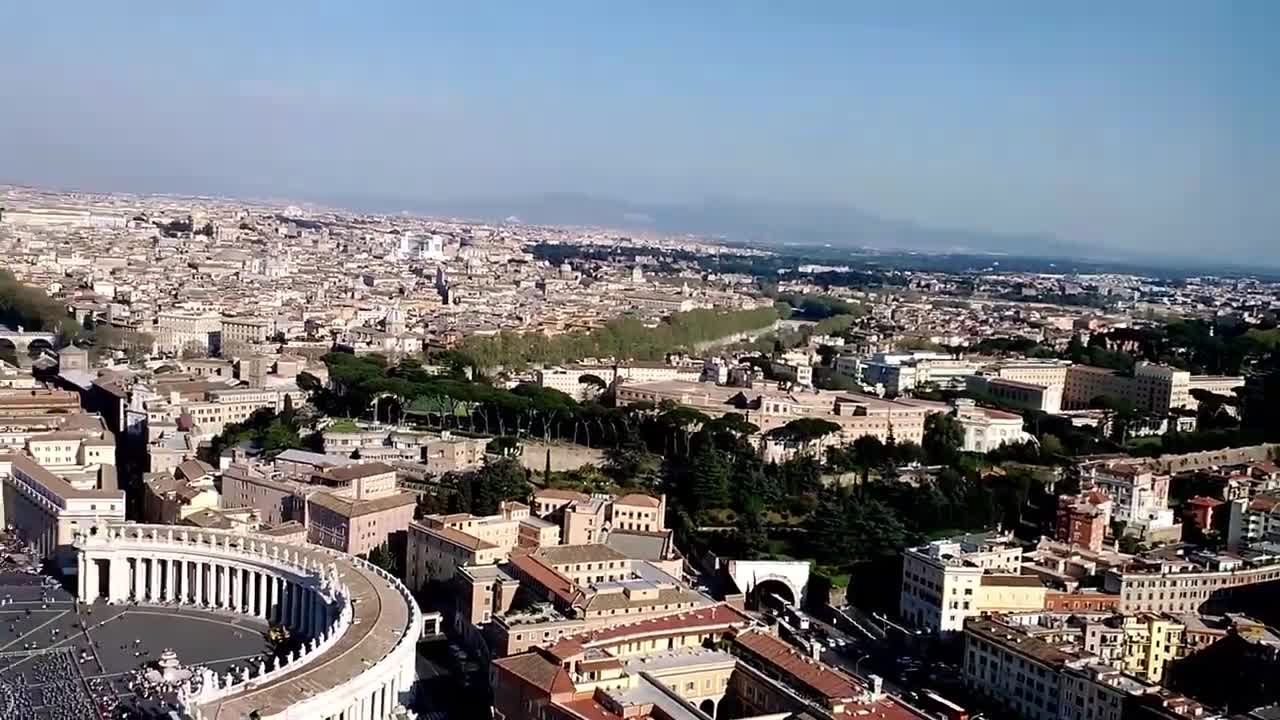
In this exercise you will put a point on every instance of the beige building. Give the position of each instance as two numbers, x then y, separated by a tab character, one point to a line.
435	554
276	499
855	413
47	511
357	524
1152	388
170	498
179	330
1016	393
244	331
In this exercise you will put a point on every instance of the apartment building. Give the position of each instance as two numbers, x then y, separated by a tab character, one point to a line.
1139	494
1083	520
1184	585
276	499
658	667
1008	666
244	331
1255	519
1041	373
357	524
947	581
663	668
1035	675
1141	645
178	330
1152	388
587	519
168	498
436	553
32	402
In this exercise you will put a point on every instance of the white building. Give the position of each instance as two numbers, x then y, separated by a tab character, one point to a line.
986	429
941	581
1139	493
46	510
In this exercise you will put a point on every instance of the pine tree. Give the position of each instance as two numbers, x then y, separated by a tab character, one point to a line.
710	479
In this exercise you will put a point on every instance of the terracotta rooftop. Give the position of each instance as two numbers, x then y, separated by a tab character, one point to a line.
638	500
557	494
798	668
457	537
715	616
548	577
537	670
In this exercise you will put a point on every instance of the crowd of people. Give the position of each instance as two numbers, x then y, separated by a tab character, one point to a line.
50	689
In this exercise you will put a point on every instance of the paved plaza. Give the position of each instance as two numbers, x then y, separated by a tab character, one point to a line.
60	660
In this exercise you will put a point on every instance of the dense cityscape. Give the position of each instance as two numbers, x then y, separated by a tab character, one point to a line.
293	461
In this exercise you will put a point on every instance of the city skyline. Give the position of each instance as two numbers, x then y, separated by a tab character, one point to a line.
1139	131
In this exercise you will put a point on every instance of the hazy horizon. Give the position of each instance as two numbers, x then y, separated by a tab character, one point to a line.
1143	130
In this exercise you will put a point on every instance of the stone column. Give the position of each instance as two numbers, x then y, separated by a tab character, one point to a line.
273	588
199	573
262	595
233	585
82	585
137	578
154	591
171	590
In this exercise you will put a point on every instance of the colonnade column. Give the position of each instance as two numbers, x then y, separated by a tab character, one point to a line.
171	575
273	588
153	590
261	592
237	587
82	581
199	573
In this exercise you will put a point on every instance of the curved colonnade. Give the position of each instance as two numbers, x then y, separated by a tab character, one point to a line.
359	624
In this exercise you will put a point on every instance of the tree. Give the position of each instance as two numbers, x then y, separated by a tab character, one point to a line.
498	480
710	488
382	557
595	382
943	438
808	432
828	355
1051	447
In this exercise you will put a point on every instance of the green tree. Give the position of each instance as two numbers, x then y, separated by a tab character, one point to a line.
710	475
943	438
498	480
382	557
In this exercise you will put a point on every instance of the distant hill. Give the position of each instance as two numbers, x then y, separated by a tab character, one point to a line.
764	223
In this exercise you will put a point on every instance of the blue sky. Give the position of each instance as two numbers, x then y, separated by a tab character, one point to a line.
1139	126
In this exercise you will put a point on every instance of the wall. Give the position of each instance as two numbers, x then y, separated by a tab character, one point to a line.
563	457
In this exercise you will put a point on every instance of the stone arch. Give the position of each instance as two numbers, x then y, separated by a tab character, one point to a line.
10	353
39	345
774	585
708	706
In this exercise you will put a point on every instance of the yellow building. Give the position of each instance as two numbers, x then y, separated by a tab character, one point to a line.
1151	643
1141	645
1009	594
